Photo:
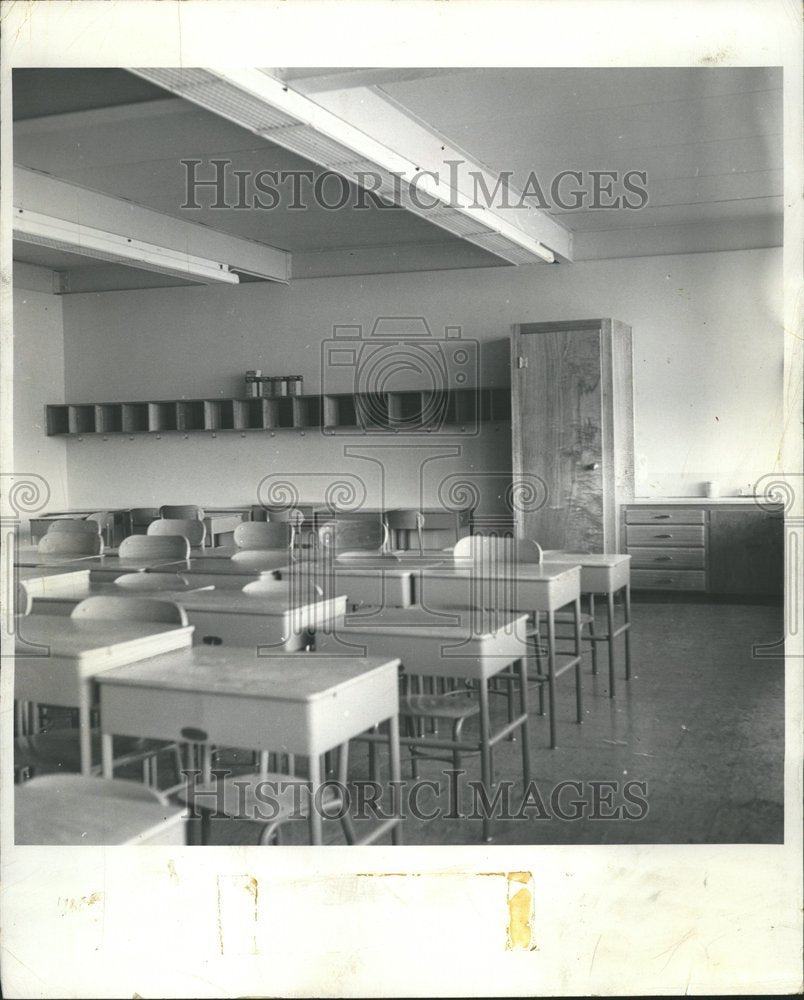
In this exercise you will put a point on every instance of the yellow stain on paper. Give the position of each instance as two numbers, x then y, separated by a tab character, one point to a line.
520	912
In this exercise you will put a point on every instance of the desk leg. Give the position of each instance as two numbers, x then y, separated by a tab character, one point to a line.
396	776
593	643
578	671
522	670
627	612
107	755
551	675
316	824
485	749
85	729
610	619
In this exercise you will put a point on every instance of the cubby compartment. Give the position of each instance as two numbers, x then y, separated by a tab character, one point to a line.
81	419
372	411
190	415
248	414
108	418
306	411
162	416
56	420
277	413
340	411
435	408
219	414
135	417
498	403
464	406
405	411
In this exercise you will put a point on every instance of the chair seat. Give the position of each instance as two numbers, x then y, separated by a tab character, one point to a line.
58	751
454	705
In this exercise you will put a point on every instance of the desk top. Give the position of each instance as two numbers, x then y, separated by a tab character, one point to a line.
506	571
238	671
585	558
80	815
94	644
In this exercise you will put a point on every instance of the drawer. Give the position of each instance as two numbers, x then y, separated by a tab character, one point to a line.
668	558
668	579
666	534
664	515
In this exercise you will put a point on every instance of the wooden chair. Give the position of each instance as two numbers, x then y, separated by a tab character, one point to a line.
256	535
243	797
131	609
400	524
167	547
139	518
70	543
186	511
105	521
81	525
193	530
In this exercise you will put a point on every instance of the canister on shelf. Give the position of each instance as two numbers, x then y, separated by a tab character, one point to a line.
294	385
253	383
266	386
280	385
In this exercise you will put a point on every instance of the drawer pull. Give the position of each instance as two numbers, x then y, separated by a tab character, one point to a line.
661	517
663	559
212	640
666	535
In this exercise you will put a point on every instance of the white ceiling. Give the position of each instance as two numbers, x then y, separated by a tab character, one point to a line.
710	141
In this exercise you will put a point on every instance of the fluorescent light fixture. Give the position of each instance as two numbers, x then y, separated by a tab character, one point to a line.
257	101
59	234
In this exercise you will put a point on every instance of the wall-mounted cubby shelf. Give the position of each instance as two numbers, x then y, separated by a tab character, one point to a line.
400	412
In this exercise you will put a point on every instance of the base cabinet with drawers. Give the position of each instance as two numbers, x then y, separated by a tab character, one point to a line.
710	548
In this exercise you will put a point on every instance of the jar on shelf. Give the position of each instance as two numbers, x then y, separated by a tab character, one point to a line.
280	385
253	383
266	386
295	385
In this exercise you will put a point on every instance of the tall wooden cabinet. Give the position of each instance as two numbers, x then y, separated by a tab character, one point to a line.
572	428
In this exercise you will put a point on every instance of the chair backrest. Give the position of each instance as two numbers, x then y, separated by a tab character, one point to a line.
150	582
80	525
490	550
70	543
105	522
113	788
339	536
129	609
193	530
263	535
168	547
183	511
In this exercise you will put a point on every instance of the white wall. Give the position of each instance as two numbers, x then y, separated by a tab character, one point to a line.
707	352
38	378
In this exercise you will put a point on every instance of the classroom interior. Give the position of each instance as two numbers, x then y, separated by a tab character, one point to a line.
433	387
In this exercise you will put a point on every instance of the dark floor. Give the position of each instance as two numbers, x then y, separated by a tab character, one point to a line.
701	724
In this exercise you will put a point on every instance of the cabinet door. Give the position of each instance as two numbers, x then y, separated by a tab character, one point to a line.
746	552
561	436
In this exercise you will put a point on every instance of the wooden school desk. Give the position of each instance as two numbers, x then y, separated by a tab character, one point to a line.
72	652
306	704
87	811
226	616
608	575
459	644
516	587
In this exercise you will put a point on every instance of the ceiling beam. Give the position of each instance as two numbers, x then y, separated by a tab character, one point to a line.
80	207
260	102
